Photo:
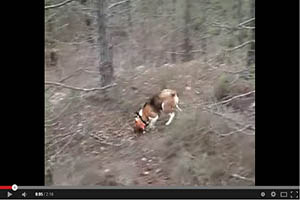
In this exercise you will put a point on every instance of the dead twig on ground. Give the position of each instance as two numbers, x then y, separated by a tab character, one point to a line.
79	89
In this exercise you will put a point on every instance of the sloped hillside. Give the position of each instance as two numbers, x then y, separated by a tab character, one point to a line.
90	141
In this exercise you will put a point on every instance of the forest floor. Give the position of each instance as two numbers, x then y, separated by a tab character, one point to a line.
90	140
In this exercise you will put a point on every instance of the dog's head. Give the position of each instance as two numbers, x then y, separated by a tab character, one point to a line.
139	125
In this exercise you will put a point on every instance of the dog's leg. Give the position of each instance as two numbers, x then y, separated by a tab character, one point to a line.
152	122
176	102
178	108
172	115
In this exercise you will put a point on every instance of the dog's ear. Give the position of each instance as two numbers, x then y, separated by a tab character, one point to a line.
145	105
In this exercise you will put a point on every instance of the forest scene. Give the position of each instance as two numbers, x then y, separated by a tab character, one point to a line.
105	58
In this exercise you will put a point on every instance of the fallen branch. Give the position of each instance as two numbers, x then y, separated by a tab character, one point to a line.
58	5
236	131
80	89
242	177
116	4
241	45
236	27
235	97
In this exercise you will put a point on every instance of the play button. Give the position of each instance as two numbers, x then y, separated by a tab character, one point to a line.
9	194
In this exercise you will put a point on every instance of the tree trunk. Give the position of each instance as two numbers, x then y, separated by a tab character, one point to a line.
240	18
187	46
129	18
251	52
105	66
173	43
204	30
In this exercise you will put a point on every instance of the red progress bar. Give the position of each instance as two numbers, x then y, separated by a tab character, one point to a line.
5	187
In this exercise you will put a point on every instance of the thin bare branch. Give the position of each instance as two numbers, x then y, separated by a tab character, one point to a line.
236	27
50	17
236	72
61	27
80	89
50	125
235	97
116	4
169	33
180	53
70	75
221	26
245	22
240	46
58	5
247	27
90	71
195	51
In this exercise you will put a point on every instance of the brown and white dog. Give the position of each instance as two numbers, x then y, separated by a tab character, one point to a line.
166	101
